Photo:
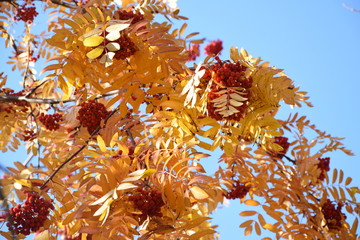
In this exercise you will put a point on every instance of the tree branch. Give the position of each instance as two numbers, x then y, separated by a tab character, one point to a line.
77	152
33	100
28	99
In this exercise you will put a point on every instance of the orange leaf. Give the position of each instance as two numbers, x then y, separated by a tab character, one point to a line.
198	193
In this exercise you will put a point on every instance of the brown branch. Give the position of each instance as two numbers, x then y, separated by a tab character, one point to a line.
64	4
33	100
28	99
77	152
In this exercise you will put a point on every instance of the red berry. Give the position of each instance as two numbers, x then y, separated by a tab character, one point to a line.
51	121
283	142
214	47
148	202
333	216
90	115
239	190
324	165
193	52
226	74
27	12
29	216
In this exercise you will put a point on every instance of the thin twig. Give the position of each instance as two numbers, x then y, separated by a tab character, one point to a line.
351	9
7	209
33	100
77	152
28	160
28	99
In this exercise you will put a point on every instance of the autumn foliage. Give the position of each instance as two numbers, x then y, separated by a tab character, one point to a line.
122	119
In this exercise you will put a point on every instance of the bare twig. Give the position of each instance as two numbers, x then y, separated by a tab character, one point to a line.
351	9
77	152
28	99
33	100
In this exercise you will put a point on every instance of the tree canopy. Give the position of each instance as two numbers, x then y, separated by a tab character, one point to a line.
123	117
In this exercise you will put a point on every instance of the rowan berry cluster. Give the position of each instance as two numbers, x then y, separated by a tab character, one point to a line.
239	190
214	47
29	216
28	135
226	74
149	202
193	52
324	166
333	215
26	12
126	15
90	114
130	154
127	49
11	92
283	142
127	46
51	121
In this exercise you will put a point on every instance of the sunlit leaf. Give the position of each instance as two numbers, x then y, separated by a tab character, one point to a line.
198	193
93	41
117	27
113	46
95	52
113	36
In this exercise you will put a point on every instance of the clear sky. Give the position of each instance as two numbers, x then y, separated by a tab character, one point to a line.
317	45
315	42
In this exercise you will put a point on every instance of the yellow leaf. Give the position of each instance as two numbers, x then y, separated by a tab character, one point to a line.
43	235
124	186
103	198
112	36
117	27
246	223
95	52
200	234
248	230
195	222
172	104
107	59
228	149
51	67
101	143
270	227
198	193
103	208
95	32
251	202
348	181
21	182
354	226
257	229
334	176
113	46
247	213
149	172
93	41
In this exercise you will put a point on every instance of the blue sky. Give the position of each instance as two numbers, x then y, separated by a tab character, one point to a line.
317	45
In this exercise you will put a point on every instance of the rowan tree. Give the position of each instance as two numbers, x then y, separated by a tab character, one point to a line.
123	116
